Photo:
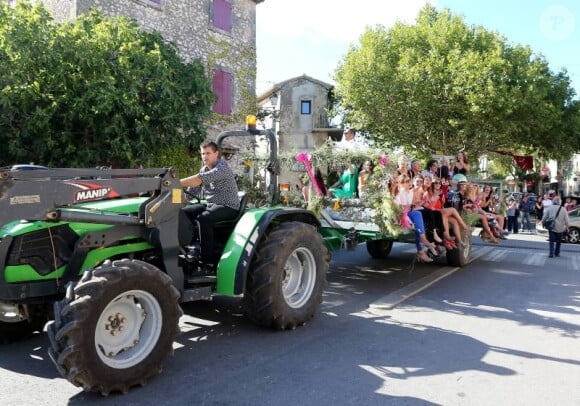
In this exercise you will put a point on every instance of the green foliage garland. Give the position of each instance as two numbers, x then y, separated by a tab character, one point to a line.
470	218
387	212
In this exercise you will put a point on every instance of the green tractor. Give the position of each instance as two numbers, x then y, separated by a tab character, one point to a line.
104	254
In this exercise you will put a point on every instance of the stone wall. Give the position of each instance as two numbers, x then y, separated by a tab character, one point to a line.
188	25
62	10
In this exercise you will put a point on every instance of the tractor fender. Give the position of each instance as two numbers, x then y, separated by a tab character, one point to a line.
244	240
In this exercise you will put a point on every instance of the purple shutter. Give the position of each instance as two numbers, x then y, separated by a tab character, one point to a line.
222	87
222	15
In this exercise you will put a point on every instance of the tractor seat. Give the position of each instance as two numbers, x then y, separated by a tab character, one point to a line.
243	196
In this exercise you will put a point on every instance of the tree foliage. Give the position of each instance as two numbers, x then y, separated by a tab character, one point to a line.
441	85
85	92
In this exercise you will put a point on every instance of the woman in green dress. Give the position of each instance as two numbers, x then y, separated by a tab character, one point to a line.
346	187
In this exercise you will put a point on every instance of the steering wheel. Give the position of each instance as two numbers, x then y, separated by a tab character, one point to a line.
190	195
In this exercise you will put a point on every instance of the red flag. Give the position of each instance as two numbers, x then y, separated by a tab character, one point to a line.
524	162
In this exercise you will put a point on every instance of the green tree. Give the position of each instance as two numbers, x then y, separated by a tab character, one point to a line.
443	85
98	89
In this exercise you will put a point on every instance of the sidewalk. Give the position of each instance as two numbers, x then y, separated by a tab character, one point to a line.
536	239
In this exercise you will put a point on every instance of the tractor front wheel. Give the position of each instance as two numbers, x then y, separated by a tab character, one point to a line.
114	328
286	277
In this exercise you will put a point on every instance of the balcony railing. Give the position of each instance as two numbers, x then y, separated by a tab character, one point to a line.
320	122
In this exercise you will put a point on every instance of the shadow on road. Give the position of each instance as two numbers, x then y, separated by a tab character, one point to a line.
536	296
345	355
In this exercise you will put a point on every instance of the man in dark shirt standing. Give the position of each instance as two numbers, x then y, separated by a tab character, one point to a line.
525	213
215	183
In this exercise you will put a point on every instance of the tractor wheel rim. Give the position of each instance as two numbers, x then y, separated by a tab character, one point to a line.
299	277
128	329
466	246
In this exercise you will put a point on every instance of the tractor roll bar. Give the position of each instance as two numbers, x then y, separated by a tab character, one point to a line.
272	164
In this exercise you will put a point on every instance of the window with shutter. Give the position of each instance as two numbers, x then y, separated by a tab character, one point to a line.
222	87
222	15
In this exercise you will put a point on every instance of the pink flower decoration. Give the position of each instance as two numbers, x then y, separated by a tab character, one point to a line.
305	158
383	160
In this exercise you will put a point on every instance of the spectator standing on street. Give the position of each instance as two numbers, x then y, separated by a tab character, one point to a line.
547	200
512	226
539	211
525	213
561	224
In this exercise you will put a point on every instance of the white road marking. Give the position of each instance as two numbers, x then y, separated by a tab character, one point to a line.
393	299
496	255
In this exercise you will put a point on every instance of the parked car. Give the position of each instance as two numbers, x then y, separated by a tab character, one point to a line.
27	167
573	235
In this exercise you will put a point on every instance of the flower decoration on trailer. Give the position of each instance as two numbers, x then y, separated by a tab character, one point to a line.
305	158
383	161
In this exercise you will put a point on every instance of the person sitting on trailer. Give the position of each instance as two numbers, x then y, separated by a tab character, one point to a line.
346	186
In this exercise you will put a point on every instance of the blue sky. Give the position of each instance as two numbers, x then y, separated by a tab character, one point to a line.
296	37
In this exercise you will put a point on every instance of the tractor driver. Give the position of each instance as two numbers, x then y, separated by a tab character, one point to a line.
215	183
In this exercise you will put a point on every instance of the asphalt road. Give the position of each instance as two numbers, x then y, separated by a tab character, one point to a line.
503	330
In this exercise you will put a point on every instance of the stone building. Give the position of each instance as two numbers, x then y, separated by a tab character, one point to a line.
222	33
299	117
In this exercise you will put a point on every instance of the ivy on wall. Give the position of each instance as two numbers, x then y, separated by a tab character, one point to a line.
244	77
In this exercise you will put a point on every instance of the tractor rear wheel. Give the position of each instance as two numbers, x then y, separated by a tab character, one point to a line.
286	277
459	256
113	330
379	249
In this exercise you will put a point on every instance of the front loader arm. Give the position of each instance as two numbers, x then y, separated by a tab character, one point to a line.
58	195
39	195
